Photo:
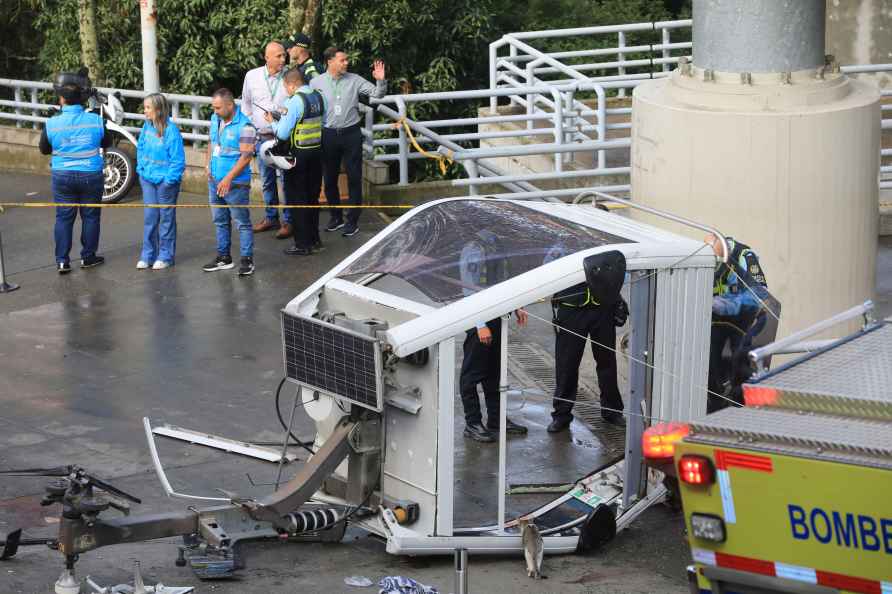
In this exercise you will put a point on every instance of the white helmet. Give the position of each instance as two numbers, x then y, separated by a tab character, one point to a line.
270	159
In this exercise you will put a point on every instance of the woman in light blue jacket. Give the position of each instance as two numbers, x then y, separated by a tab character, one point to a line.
160	162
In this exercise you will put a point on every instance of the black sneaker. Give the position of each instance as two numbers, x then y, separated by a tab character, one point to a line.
63	267
614	418
350	231
334	225
219	263
92	261
246	267
318	247
295	250
511	428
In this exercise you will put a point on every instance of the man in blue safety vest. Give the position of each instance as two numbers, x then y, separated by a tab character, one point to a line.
300	135
229	180
74	137
739	306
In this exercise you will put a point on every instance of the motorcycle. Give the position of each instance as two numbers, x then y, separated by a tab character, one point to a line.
118	168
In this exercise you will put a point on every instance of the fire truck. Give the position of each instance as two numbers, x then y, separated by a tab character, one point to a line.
793	492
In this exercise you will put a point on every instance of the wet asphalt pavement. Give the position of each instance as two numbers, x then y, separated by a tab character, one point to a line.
83	357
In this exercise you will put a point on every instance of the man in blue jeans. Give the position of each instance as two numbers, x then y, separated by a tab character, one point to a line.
229	180
74	138
264	92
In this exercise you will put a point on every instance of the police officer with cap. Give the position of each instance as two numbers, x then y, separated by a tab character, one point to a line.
74	137
298	47
299	134
481	265
738	315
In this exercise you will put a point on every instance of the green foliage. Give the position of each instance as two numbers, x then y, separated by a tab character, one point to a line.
429	45
202	44
435	45
18	52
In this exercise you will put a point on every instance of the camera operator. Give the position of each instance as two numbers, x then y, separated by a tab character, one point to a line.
74	138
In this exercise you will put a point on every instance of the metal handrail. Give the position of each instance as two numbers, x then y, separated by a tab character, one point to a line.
660	213
758	355
543	84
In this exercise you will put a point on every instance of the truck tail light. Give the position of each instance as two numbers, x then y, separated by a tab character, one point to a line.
759	395
695	470
658	442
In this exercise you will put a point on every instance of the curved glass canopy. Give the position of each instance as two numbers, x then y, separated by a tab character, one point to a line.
445	257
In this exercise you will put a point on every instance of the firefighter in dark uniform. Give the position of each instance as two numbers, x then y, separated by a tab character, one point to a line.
300	136
738	315
482	266
75	138
577	315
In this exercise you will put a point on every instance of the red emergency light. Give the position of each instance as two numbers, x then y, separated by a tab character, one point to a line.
759	395
695	470
658	442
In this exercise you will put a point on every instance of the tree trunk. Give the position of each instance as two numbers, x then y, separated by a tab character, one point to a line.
311	15
296	11
86	10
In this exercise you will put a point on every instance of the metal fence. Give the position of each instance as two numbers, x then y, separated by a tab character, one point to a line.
553	104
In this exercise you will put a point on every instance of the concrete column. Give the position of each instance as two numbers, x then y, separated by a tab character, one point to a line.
758	35
760	141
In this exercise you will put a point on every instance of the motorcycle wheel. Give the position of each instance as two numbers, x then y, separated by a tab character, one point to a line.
119	174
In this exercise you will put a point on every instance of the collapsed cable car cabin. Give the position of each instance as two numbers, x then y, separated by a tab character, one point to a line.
371	349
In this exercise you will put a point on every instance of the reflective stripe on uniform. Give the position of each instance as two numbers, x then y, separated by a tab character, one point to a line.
589	300
76	154
307	133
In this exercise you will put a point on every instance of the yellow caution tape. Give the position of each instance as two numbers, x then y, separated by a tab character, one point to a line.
442	160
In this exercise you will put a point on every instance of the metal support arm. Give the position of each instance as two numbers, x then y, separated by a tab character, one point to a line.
78	536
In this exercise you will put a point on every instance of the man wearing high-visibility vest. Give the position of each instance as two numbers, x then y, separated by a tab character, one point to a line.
74	138
738	294
300	130
577	318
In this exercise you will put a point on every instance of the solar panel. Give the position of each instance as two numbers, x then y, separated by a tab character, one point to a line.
330	359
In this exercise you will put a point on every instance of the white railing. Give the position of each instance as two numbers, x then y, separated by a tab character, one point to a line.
546	87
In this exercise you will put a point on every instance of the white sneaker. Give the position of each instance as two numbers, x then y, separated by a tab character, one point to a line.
160	265
142	265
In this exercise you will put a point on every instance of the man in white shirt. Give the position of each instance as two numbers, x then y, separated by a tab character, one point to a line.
263	92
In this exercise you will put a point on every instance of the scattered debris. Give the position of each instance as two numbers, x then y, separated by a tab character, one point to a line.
402	585
222	443
358	580
138	586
